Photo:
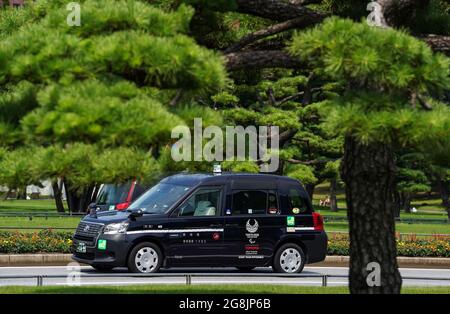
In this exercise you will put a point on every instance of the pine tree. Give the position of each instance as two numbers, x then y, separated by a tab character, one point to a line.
390	78
92	95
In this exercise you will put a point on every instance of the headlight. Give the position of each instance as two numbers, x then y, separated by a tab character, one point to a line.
116	228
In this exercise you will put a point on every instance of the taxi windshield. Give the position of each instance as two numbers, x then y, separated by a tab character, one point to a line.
159	198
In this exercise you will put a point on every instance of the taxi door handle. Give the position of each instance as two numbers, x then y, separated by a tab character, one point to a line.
215	225
232	225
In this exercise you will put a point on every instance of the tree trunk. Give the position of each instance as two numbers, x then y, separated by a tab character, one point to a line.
407	202
445	193
333	197
397	204
57	194
5	197
310	190
21	193
72	198
369	174
78	200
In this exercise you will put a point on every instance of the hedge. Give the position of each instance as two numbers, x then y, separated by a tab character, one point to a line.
338	244
49	241
46	241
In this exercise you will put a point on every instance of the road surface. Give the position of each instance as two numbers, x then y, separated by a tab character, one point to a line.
265	276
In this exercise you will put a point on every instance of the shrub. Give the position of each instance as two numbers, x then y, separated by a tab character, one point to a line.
412	247
49	241
46	241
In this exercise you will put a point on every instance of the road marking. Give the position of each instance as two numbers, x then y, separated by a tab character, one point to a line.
197	282
38	267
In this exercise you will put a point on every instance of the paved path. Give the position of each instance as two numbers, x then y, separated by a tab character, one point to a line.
267	276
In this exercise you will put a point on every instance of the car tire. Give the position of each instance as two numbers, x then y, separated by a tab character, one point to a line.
146	257
245	268
289	259
102	268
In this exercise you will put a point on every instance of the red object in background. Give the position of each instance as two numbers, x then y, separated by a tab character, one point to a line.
216	236
318	221
122	206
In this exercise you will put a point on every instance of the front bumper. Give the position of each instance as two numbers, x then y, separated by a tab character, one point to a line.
114	254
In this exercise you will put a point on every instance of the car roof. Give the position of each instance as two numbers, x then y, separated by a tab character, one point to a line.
190	179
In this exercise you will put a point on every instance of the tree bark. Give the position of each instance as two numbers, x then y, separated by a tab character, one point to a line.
438	43
333	197
57	194
369	174
260	59
398	13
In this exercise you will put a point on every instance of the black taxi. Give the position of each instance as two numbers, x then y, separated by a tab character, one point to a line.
202	220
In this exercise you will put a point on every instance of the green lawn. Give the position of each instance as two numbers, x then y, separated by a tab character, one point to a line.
400	227
206	289
427	207
44	205
432	214
39	222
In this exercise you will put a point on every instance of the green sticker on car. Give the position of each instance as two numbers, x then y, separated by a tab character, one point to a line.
102	244
290	220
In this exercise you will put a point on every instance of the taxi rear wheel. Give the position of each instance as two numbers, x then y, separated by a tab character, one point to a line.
289	259
145	257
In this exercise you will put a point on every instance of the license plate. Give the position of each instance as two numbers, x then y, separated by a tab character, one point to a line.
81	247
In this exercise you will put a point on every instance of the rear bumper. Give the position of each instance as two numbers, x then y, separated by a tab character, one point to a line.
317	248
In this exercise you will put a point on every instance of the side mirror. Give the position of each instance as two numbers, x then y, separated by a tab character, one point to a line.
92	209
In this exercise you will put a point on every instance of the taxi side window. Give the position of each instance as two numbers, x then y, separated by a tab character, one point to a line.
296	202
204	202
254	203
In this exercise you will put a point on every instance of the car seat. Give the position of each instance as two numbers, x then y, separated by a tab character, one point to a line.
205	208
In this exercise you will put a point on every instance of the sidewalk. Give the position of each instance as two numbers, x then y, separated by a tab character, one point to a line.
330	261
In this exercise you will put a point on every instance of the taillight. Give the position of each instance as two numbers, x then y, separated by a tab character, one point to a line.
318	221
122	206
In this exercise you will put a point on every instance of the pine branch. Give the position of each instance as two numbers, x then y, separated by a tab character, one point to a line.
300	22
310	162
177	98
278	10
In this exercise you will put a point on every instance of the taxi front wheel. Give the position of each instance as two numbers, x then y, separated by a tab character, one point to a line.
289	259
145	257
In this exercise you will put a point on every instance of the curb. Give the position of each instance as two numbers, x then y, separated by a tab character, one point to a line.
35	259
330	261
412	262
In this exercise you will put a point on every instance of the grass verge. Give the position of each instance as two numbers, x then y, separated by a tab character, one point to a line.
203	289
